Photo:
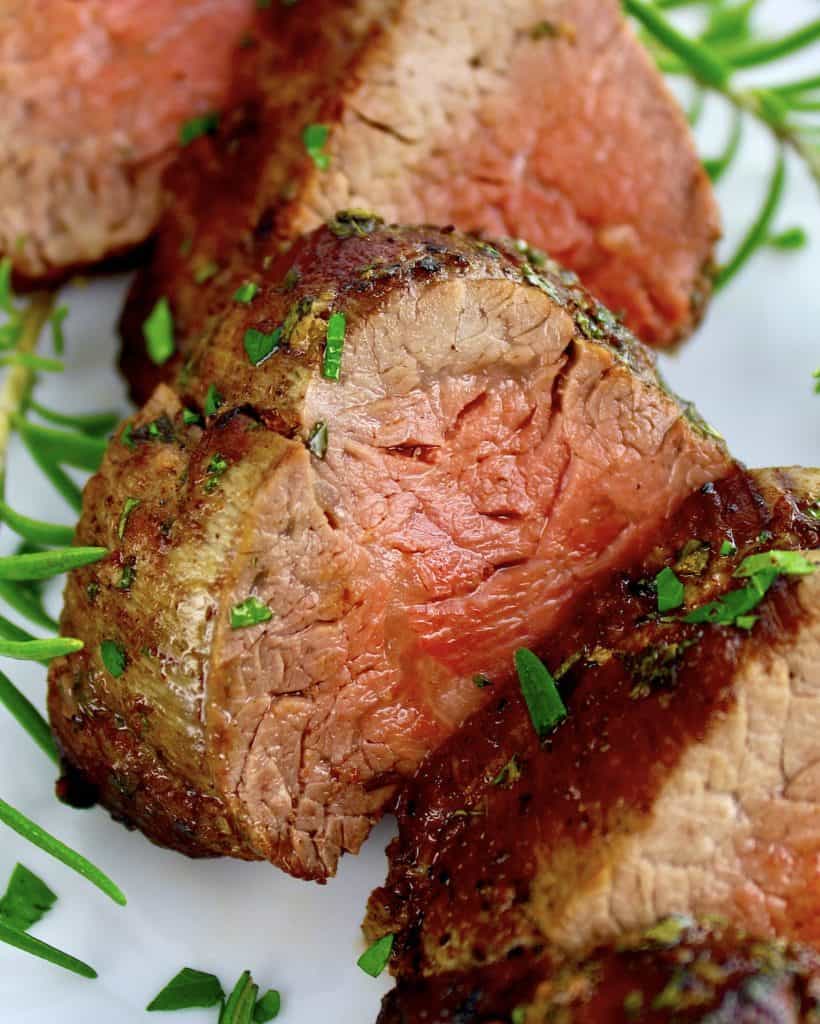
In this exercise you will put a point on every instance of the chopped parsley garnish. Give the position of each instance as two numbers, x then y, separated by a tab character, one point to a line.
205	271
291	279
761	571
194	127
213	400
334	343
727	549
374	959
317	440
315	137
126	438
216	467
127	577
544	285
543	701
113	657
127	508
259	345
789	563
544	30
250	612
670	590
509	774
354	223
482	681
816	378
633	1002
27	899
246	292
189	417
188	990
158	331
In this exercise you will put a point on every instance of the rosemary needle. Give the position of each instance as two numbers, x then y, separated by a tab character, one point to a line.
26	942
34	834
42	565
25	713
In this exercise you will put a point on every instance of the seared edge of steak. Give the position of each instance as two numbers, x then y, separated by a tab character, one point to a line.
495	433
445	146
487	862
675	969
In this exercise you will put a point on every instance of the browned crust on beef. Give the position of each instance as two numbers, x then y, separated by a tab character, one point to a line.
244	195
473	858
201	543
691	973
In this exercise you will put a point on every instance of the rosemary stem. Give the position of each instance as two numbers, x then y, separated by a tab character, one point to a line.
20	377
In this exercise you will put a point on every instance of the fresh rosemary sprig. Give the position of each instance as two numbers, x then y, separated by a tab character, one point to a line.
47	552
727	45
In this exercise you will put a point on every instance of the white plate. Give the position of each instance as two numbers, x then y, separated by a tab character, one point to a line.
749	370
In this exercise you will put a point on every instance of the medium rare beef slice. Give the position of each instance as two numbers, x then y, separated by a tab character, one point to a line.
538	119
675	970
684	779
493	443
94	94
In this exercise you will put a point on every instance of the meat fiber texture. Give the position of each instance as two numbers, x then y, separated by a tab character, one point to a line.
539	119
676	970
684	779
495	441
93	96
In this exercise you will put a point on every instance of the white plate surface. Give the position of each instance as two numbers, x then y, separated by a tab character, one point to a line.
749	370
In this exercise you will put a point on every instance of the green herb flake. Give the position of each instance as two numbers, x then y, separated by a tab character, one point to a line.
158	331
126	438
509	774
215	468
189	417
736	604
482	681
205	271
268	1007
213	400
746	621
374	959
355	223
544	703
334	344
194	127
246	292
790	239
127	577
544	30
788	563
633	1003
27	899
670	590
188	990
315	138
128	507
519	1015
291	279
317	440
113	657
727	549
260	345
250	612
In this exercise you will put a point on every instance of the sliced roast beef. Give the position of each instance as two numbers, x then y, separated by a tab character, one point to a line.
307	573
684	779
94	93
675	970
542	118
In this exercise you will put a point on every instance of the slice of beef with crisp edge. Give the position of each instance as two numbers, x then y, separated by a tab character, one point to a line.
675	970
94	94
541	118
684	779
319	574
